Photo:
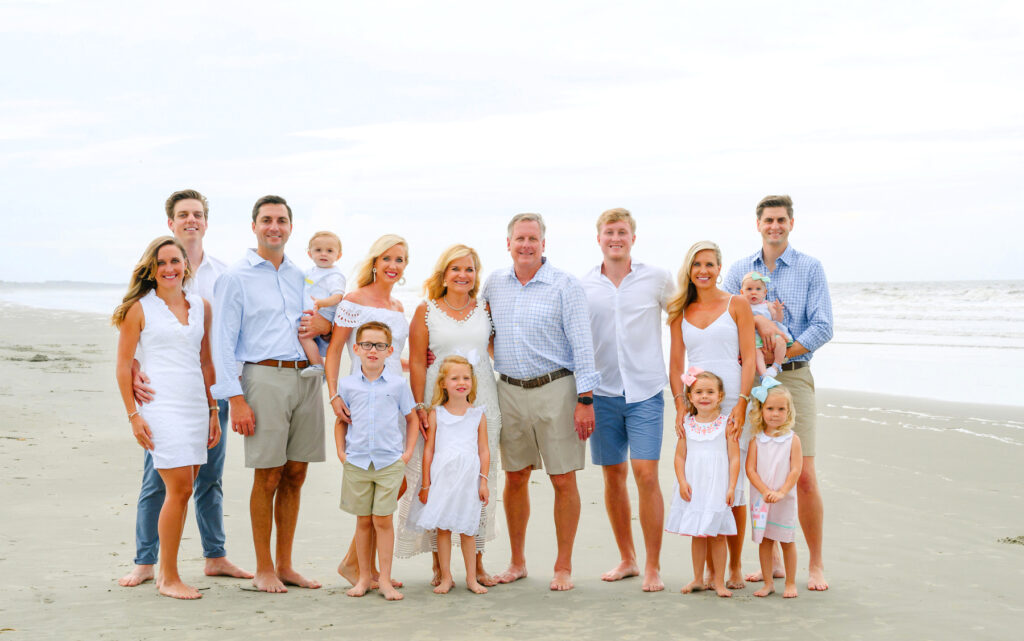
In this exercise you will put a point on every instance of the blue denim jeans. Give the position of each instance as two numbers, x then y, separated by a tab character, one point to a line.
209	496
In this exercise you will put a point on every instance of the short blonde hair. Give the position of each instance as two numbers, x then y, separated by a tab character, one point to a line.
434	287
324	234
614	216
364	270
686	291
757	420
440	396
526	218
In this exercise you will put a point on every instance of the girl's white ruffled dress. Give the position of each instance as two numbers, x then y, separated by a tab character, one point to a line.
707	472
453	502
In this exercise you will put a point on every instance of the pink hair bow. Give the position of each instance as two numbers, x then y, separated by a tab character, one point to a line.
690	377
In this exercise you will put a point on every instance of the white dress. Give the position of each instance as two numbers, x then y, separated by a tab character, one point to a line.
707	472
468	337
453	502
168	352
353	315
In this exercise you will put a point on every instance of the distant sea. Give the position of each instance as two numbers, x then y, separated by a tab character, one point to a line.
956	341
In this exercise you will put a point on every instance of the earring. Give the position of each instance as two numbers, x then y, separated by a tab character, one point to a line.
401	281
719	281
374	272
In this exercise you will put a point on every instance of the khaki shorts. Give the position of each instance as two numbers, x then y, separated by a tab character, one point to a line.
800	384
289	413
537	429
366	492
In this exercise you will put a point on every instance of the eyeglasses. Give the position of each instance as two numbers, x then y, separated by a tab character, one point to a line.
367	346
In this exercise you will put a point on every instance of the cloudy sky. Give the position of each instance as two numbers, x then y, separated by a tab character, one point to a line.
898	128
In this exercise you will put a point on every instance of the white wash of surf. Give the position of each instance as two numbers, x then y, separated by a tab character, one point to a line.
896	418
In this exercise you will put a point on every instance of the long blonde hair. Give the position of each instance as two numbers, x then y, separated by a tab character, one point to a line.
757	420
434	287
143	278
364	270
440	396
686	291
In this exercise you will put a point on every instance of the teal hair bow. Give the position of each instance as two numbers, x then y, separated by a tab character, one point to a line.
763	279
761	391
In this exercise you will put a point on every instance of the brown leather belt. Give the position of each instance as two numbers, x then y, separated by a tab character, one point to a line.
793	365
285	364
530	383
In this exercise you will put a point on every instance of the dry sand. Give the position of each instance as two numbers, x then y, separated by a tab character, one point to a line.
918	495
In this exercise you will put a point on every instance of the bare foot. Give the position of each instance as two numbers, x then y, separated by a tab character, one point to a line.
722	592
621	571
485	579
291	577
375	582
735	581
475	587
348	572
222	567
358	589
268	582
513	573
436	580
652	581
444	585
757	577
178	590
561	582
709	582
388	591
790	591
765	591
139	575
816	581
694	586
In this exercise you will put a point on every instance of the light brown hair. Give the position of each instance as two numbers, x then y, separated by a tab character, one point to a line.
705	375
185	194
324	234
377	325
775	201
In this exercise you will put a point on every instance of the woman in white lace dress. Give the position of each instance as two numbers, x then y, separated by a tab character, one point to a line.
451	321
376	277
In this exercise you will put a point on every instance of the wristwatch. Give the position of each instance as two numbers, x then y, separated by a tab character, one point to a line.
585	400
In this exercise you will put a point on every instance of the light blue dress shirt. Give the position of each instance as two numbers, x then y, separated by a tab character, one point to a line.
799	282
256	316
541	326
378	409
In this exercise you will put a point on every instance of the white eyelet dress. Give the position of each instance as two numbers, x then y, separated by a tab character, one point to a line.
707	473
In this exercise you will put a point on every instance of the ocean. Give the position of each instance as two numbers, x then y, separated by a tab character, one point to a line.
955	341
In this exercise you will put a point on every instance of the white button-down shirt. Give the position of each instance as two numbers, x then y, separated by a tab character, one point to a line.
205	277
626	323
378	429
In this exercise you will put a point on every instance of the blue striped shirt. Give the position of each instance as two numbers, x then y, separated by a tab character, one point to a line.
799	282
541	326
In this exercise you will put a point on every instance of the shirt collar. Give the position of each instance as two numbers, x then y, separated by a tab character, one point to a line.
788	257
544	275
384	376
255	259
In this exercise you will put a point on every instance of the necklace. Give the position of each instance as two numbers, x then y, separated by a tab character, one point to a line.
452	307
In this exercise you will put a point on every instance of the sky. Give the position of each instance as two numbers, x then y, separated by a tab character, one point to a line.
897	127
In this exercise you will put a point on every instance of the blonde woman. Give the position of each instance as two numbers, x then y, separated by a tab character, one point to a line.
714	331
451	321
167	330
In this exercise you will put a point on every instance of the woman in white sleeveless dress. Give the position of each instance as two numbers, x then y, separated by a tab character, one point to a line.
714	331
167	331
375	278
451	321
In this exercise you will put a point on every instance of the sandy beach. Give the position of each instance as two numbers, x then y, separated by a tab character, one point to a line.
921	497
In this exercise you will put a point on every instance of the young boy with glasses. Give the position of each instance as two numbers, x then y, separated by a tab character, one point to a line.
374	451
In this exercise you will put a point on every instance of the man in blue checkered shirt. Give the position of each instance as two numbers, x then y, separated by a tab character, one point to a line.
544	354
797	281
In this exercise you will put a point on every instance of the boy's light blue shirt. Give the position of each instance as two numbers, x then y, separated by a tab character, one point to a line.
378	409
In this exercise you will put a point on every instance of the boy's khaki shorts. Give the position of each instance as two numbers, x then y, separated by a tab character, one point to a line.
366	492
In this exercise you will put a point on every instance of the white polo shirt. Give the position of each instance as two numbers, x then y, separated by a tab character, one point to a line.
626	323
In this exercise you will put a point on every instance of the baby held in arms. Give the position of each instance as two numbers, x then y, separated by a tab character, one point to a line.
767	322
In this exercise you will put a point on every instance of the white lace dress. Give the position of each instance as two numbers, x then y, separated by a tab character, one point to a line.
468	337
353	315
707	472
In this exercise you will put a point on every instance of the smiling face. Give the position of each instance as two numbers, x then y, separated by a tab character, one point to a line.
372	359
774	226
754	291
616	240
705	269
272	227
705	395
458	380
460	275
391	264
324	251
188	220
526	245
170	268
774	412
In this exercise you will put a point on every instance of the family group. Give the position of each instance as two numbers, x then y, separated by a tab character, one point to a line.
530	364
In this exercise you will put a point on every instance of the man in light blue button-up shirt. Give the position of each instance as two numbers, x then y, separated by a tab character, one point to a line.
798	282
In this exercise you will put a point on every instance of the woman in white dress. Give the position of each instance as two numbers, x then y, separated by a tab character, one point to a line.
375	278
713	330
451	321
167	331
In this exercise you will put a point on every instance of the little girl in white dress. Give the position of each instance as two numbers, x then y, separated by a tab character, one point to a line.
456	458
707	466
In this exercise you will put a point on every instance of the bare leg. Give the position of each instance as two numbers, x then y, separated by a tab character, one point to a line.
789	554
435	566
652	521
777	570
616	502
444	562
812	514
764	553
178	482
567	520
469	557
364	526
286	515
482	577
780	350
718	553
761	367
261	511
312	351
517	513
349	566
698	553
735	546
384	526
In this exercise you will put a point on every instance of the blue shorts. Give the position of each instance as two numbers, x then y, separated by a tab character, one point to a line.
624	427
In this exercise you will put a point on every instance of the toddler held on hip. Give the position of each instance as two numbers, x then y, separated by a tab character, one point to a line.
325	286
767	321
456	457
707	466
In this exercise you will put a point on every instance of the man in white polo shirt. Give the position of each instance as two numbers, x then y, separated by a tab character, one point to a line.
626	299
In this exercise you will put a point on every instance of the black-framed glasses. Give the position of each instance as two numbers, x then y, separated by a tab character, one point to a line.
367	346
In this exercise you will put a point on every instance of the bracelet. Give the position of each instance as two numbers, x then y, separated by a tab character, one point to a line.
420	406
424	487
677	395
133	415
214	408
331	399
745	397
484	477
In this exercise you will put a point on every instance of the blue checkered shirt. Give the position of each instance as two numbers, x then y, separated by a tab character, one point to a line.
799	282
542	326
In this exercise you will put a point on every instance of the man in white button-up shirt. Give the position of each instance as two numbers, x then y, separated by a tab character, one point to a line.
626	300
